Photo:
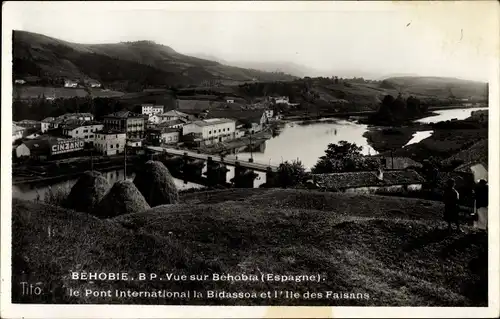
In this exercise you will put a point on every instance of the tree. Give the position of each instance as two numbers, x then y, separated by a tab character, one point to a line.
413	105
343	157
290	173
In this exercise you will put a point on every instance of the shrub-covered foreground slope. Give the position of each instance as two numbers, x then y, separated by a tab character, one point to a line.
390	248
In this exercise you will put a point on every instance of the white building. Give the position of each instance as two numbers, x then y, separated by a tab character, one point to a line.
269	114
150	109
44	126
82	130
70	84
134	142
282	100
211	131
17	132
19	81
154	119
230	101
93	83
110	142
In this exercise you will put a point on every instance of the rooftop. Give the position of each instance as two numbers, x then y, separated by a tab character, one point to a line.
72	125
170	123
366	179
210	122
477	153
28	122
110	131
152	105
398	162
67	115
174	113
163	129
124	114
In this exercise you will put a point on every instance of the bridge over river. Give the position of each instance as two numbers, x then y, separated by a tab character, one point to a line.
229	160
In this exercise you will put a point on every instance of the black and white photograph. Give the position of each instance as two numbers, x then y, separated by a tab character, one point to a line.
319	154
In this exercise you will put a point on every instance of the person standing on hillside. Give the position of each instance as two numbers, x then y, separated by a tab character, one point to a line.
481	197
451	205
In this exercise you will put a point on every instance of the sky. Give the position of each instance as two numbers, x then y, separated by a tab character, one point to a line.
372	38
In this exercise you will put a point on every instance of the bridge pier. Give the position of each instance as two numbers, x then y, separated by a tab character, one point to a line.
270	177
174	164
216	172
192	169
243	177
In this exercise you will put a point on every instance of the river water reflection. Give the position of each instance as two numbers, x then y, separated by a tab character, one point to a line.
308	141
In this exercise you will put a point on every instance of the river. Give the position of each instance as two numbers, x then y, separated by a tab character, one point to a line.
445	115
305	141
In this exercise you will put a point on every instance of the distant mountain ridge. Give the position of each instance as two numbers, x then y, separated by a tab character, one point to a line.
144	62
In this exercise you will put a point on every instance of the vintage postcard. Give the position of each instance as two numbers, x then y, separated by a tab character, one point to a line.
250	159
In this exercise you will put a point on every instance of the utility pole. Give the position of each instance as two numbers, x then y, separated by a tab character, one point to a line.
125	161
392	160
251	151
92	159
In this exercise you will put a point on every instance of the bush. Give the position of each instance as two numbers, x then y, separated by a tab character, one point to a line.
290	174
123	198
87	192
57	196
156	184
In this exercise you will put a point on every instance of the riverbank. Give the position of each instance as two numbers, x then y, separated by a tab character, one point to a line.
274	231
447	139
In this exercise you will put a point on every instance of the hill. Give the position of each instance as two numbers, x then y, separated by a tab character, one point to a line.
458	88
143	62
390	250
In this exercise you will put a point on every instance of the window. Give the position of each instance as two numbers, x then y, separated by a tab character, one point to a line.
76	132
111	146
209	132
86	136
116	145
219	130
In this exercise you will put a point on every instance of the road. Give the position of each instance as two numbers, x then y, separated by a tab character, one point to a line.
229	160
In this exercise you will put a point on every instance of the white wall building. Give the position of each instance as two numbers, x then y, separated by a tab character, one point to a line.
70	84
150	109
282	100
44	126
269	114
212	130
134	142
84	130
154	119
17	132
110	142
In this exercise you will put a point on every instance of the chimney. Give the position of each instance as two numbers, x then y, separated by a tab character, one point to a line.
380	174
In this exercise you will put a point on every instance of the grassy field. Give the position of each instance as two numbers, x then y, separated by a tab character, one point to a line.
393	249
33	92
